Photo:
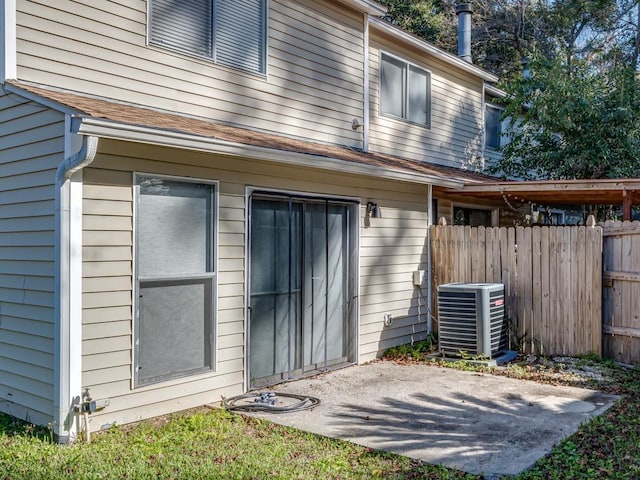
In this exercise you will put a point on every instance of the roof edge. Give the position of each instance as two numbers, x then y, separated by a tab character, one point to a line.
495	91
432	49
169	138
367	6
12	87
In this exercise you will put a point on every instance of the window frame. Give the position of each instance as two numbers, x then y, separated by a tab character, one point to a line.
212	276
405	90
213	57
489	105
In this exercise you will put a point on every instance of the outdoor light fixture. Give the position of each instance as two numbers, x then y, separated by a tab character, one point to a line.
373	210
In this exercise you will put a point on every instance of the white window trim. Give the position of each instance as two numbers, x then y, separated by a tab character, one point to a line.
430	102
212	59
501	139
134	272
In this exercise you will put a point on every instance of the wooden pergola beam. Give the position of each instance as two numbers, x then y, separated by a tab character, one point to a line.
625	192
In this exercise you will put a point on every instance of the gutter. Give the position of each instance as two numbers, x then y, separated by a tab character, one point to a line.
175	139
68	287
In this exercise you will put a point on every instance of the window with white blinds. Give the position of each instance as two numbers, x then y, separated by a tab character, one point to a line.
229	32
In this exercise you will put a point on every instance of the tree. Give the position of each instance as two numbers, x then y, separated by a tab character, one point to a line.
424	18
577	115
571	119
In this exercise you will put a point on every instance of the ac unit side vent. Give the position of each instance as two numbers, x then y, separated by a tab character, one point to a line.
471	319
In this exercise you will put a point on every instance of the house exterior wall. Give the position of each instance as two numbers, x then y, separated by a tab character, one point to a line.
455	135
385	272
313	87
31	147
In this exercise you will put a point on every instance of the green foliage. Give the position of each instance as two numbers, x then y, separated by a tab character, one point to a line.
578	121
424	18
413	351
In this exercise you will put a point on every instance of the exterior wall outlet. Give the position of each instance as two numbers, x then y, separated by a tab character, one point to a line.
388	320
418	278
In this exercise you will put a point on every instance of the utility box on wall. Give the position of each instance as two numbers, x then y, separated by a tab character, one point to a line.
471	319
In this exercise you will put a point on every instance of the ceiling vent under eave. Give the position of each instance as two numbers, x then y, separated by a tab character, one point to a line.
471	320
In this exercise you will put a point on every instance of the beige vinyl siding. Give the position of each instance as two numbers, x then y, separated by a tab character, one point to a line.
314	87
107	283
31	147
455	135
391	248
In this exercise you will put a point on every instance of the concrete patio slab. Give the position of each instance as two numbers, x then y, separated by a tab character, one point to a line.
482	424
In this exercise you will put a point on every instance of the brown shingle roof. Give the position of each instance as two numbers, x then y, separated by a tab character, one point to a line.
146	117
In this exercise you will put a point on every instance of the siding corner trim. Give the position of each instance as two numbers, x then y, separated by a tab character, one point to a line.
8	41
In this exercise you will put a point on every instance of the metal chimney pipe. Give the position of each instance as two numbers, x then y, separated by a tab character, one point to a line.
464	11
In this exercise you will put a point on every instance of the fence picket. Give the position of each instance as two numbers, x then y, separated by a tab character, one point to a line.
545	304
536	285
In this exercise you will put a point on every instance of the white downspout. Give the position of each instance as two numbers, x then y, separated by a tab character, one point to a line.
68	285
365	111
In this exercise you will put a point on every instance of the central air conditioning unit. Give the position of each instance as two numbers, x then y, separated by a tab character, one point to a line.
471	319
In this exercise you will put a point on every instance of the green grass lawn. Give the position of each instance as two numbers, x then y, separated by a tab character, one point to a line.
205	443
213	443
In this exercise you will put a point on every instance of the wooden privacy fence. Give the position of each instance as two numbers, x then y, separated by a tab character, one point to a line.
552	278
621	292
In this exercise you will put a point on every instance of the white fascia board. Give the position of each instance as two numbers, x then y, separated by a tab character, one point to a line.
366	6
167	138
432	50
8	41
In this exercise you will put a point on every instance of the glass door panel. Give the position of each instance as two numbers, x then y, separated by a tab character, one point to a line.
275	287
301	287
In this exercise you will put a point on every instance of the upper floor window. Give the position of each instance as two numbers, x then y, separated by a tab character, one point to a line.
493	126
229	32
405	91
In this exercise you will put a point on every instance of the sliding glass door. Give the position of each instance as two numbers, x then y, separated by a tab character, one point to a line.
302	286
